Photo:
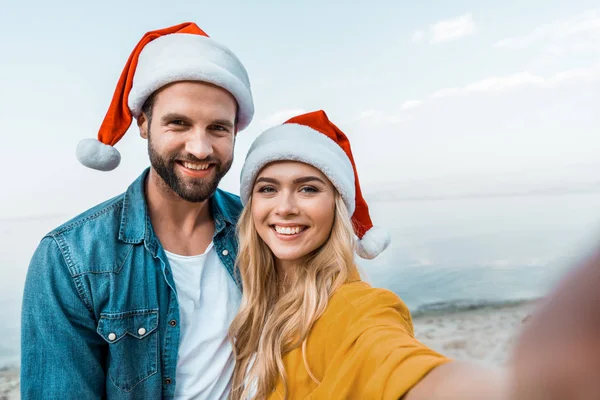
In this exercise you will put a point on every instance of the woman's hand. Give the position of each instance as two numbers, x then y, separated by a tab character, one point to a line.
558	354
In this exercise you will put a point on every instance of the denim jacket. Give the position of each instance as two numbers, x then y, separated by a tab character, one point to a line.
100	317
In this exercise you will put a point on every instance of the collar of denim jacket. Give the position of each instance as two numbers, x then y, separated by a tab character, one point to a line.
135	221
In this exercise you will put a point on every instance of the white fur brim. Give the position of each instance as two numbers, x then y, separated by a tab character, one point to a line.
295	142
373	243
96	155
181	57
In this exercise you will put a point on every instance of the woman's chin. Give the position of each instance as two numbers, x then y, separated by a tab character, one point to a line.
289	256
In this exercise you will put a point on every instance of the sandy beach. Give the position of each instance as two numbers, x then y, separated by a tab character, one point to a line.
9	384
483	335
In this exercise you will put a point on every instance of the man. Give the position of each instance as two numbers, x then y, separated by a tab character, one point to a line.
133	298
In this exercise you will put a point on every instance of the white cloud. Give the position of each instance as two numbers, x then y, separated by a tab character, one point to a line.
447	30
378	117
280	117
452	29
407	105
418	35
583	29
508	82
587	74
504	82
445	92
492	84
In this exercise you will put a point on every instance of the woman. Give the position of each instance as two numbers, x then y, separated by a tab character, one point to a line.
308	326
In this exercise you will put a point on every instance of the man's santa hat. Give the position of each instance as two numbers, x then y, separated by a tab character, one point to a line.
182	52
313	139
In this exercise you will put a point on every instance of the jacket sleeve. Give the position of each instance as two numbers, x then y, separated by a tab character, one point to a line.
62	357
377	355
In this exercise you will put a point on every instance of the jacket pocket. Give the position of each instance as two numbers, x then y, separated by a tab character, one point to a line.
132	338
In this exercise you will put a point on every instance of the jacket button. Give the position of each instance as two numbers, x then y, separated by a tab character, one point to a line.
141	331
112	336
168	381
173	323
225	252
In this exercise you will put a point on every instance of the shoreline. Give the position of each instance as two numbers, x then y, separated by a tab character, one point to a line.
481	334
484	335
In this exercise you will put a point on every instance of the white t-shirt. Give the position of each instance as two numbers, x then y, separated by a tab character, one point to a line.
208	301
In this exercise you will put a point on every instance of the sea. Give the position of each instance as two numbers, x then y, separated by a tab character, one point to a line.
446	254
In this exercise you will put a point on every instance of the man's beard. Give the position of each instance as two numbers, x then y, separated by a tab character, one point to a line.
192	190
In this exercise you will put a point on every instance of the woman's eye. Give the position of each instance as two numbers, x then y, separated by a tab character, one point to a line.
309	189
266	189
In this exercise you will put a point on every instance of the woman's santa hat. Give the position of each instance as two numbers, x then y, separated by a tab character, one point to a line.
182	52
313	139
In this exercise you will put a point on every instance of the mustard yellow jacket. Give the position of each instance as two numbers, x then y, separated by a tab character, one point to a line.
362	347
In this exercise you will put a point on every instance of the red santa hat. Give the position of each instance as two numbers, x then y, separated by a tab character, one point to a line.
178	53
313	139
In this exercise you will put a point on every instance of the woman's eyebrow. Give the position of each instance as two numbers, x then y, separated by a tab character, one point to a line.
306	179
267	180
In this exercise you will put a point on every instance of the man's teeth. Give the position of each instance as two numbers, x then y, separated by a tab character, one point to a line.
195	166
288	230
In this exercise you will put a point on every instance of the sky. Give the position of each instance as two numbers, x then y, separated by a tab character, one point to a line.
437	97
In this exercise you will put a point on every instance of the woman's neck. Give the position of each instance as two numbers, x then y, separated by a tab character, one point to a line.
286	274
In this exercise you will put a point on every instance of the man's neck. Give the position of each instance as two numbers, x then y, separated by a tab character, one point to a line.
182	227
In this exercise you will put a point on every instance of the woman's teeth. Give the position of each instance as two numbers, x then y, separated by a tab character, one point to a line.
288	230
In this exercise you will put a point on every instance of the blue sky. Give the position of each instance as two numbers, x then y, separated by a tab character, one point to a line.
435	96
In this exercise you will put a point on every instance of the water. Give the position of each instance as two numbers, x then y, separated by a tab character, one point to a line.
444	254
469	252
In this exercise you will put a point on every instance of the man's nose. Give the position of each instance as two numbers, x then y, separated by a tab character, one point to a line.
199	144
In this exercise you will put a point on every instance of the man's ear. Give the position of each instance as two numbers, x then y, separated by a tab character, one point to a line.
142	123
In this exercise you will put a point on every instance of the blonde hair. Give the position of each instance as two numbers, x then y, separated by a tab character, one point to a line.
269	324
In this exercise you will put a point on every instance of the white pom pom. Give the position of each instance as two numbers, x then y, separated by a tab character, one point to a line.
373	242
94	154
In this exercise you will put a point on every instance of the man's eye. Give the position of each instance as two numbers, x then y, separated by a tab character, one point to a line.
178	122
219	128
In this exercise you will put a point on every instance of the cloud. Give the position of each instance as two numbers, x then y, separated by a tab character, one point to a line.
504	82
492	84
583	28
447	30
513	81
417	36
407	105
280	117
445	92
378	117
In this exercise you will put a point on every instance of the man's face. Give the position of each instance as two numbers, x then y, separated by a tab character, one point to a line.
191	134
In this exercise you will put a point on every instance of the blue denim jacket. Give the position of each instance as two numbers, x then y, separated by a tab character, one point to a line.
91	287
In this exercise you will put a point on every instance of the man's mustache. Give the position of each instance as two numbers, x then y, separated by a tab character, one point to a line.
192	158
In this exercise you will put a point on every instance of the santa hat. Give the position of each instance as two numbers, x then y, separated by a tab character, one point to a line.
177	53
313	139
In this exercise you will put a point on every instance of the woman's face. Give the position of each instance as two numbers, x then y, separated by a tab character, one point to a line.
293	209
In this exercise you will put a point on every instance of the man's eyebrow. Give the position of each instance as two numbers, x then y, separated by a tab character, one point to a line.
173	116
307	179
223	122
